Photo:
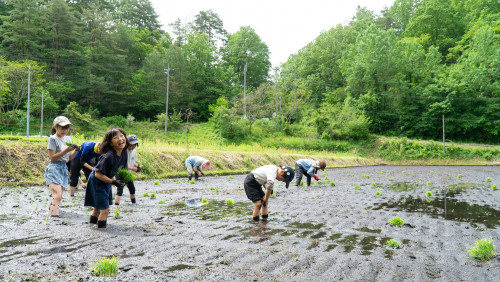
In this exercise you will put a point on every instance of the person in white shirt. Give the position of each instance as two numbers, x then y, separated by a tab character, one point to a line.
133	166
264	176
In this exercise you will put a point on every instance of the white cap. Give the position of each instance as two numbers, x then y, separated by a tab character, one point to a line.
62	121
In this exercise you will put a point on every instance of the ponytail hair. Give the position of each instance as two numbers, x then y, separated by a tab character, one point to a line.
53	129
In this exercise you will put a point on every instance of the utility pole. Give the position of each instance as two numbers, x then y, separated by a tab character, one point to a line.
444	147
167	71
28	109
245	91
41	118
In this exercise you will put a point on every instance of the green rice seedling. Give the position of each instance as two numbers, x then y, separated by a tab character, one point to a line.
459	176
105	267
68	143
332	183
323	174
216	175
378	192
116	214
146	194
152	196
428	194
126	175
373	184
365	175
390	179
230	177
432	171
212	188
381	172
272	193
230	202
191	181
428	183
352	175
217	190
157	183
396	221
66	221
420	179
301	183
346	172
404	172
488	179
176	182
47	219
162	201
313	196
204	200
326	178
493	187
483	250
73	200
393	243
357	187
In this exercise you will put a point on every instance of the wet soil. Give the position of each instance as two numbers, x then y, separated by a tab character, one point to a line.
319	233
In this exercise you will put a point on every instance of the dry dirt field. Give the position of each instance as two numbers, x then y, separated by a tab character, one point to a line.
319	233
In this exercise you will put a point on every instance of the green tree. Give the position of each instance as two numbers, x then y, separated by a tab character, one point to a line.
246	47
209	23
22	28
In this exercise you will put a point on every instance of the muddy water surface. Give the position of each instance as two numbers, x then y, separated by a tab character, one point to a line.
204	231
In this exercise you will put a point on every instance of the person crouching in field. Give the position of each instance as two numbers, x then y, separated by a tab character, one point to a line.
84	160
56	173
132	165
99	194
264	176
193	164
309	168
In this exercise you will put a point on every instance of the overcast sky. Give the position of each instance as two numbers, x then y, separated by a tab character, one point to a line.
285	26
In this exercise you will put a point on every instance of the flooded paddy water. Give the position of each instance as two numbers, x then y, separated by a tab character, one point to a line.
204	231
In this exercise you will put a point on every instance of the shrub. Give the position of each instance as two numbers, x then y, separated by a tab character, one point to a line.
116	121
105	267
393	243
483	250
396	221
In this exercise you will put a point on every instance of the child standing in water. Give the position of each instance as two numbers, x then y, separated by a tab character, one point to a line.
264	176
56	173
133	166
98	193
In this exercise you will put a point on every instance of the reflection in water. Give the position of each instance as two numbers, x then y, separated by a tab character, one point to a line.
446	207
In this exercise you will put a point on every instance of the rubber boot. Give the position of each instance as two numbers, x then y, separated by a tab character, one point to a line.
101	224
93	219
190	176
265	216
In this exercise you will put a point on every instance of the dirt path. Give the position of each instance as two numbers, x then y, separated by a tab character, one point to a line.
320	233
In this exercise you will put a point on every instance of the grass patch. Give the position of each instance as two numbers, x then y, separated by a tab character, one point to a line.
105	267
393	243
126	175
396	221
483	250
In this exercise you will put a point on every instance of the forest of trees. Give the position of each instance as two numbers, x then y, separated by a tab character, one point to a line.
396	72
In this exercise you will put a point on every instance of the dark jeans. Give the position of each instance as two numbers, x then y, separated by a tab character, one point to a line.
299	172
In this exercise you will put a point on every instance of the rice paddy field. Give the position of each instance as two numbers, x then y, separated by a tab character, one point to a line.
336	229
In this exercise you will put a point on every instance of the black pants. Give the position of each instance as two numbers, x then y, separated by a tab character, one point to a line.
131	189
299	172
74	172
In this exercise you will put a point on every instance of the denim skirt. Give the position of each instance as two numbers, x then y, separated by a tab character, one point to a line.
57	172
98	194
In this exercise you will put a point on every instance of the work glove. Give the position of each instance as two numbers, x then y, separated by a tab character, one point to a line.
315	177
75	147
118	183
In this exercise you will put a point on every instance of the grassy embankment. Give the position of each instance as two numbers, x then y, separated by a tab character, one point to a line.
162	157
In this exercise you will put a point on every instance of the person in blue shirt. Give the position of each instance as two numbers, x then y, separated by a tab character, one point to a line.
308	168
194	164
84	160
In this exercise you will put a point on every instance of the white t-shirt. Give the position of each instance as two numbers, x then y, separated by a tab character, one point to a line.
58	145
132	158
266	175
